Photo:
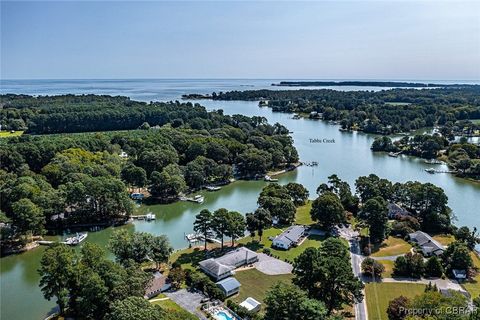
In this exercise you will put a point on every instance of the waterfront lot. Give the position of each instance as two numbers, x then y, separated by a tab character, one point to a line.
473	286
255	284
391	247
378	295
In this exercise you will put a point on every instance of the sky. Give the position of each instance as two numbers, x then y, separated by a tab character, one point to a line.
419	40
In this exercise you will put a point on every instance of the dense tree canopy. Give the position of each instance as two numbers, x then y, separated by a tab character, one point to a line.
326	274
385	111
81	179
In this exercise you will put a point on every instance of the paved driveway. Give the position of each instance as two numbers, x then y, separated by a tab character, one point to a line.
272	266
188	300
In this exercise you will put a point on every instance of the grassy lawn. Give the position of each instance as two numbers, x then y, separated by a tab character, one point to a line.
473	286
378	295
255	284
7	134
190	257
388	264
391	247
303	214
172	308
444	239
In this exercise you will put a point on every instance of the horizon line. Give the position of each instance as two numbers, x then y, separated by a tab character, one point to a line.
228	78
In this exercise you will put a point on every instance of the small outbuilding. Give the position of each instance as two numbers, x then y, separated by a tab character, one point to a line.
459	274
251	304
229	286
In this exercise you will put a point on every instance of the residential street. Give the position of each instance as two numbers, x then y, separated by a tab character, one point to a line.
356	258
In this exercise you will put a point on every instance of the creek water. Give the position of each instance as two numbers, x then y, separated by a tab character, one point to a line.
346	154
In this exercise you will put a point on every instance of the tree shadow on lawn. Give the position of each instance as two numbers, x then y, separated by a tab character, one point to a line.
254	245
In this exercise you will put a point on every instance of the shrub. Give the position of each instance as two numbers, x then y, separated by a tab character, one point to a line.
267	251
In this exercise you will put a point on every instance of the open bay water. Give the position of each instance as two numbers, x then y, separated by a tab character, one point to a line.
346	154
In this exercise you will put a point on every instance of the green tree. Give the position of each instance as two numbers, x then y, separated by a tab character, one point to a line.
371	267
177	277
470	238
327	210
258	221
457	256
235	225
57	272
27	217
326	275
167	185
298	193
409	265
397	308
126	246
220	223
135	308
134	176
375	211
433	267
203	225
92	295
285	302
161	250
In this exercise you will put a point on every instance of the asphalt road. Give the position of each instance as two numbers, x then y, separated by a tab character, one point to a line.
356	258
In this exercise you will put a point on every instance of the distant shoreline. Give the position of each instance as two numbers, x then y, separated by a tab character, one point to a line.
391	84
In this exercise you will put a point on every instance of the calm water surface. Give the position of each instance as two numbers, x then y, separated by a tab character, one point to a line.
349	157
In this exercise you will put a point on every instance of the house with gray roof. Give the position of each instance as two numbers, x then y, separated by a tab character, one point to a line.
290	237
225	265
395	211
229	286
428	245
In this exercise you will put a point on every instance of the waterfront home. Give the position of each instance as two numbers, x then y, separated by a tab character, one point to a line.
395	211
251	304
229	286
290	237
428	245
225	265
158	284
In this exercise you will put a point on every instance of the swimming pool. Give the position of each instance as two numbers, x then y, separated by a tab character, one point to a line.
222	315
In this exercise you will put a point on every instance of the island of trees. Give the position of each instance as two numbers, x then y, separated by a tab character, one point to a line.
53	182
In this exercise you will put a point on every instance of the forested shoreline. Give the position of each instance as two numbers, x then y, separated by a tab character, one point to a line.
384	112
64	180
392	84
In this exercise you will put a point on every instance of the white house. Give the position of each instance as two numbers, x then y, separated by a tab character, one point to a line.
289	237
225	265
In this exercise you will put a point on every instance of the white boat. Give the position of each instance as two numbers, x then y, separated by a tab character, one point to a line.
198	198
73	241
430	170
150	216
270	179
212	188
392	154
